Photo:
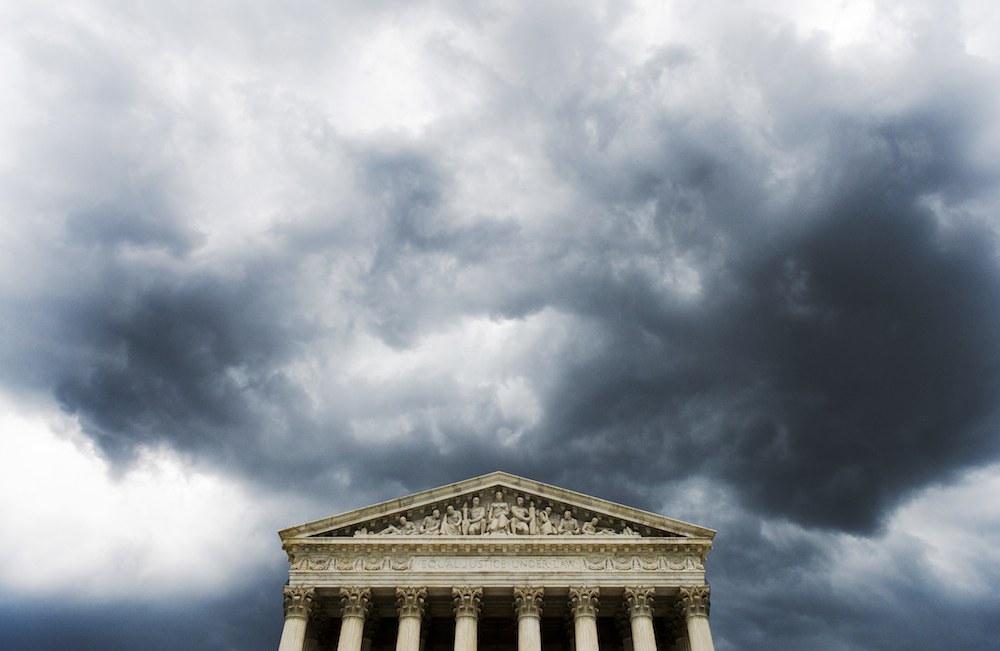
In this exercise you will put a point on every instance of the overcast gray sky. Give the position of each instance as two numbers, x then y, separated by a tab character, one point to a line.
733	262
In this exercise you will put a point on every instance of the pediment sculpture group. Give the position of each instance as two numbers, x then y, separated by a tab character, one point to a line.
499	518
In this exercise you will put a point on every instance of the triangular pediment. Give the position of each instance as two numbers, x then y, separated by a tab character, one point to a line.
543	502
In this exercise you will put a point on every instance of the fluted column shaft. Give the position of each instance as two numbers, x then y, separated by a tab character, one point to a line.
584	605
528	606
298	607
354	605
293	635
639	605
467	603
624	627
410	604
318	625
694	603
371	625
677	626
699	634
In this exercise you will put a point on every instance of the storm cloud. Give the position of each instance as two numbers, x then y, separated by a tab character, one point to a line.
358	252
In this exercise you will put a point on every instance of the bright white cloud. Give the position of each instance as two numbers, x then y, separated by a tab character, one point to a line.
160	529
946	538
958	528
951	532
474	357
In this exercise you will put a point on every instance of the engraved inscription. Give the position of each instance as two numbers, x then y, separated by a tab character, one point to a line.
499	564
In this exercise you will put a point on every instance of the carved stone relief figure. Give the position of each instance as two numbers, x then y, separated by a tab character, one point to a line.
544	522
568	526
451	525
474	523
405	527
431	526
521	521
499	516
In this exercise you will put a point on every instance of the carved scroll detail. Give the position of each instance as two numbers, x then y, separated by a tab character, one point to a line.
528	602
584	602
354	602
467	601
639	602
410	602
352	564
694	601
299	602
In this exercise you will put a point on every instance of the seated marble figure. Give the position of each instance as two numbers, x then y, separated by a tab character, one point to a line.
451	525
568	526
499	518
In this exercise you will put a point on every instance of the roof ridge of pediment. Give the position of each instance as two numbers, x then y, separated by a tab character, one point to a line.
424	501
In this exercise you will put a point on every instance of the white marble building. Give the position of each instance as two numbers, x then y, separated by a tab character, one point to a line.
498	563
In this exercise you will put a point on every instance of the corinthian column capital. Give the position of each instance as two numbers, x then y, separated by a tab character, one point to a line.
528	602
639	602
467	601
298	602
694	601
583	602
355	602
410	602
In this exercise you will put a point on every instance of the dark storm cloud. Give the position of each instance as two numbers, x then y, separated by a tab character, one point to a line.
833	363
854	362
787	594
840	347
244	619
773	271
191	358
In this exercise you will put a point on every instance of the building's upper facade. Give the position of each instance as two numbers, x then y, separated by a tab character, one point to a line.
506	529
483	551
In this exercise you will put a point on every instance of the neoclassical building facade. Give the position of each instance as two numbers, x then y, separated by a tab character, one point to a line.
497	563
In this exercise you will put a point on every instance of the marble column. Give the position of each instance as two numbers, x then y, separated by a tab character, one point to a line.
528	607
319	623
371	627
584	605
639	606
677	626
425	629
354	606
624	627
694	607
467	604
298	607
570	629
410	604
